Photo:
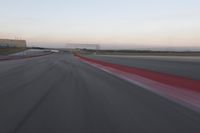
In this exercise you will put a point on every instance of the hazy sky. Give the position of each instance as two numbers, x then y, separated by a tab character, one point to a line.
122	23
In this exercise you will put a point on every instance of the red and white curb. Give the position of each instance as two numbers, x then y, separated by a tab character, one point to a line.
183	96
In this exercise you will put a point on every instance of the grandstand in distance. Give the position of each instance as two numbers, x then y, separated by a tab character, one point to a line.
82	46
12	43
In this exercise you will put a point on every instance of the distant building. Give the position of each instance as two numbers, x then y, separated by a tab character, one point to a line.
82	46
12	43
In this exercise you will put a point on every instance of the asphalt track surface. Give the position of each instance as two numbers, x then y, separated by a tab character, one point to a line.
188	67
58	93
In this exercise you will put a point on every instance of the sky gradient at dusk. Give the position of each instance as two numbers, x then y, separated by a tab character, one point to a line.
111	23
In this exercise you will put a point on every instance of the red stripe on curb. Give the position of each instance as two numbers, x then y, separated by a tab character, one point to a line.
168	79
185	97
